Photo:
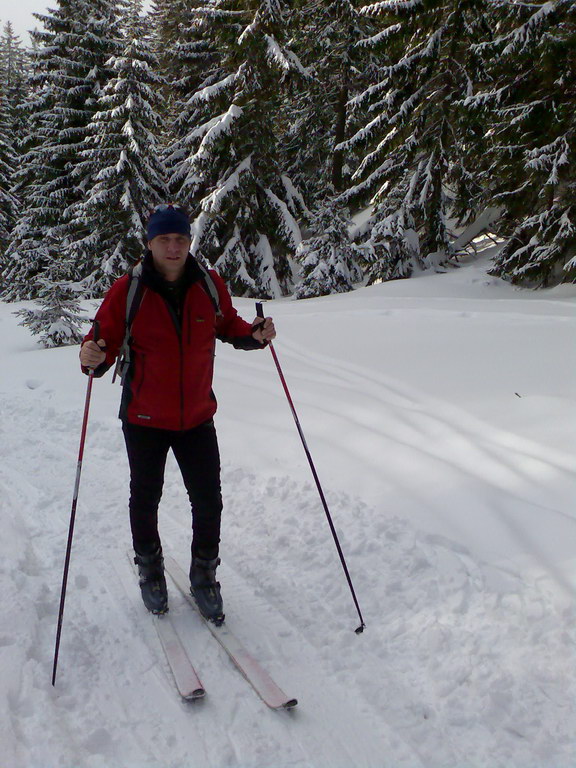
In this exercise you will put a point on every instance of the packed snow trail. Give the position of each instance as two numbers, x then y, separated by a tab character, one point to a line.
112	675
456	519
437	680
508	481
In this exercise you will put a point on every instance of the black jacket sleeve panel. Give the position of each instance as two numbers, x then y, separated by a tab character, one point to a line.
242	342
99	371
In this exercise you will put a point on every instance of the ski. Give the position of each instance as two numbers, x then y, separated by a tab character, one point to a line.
185	677
251	670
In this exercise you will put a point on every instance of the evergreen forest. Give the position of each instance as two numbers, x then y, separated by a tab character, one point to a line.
317	144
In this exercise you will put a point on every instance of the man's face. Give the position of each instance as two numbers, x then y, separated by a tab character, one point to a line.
169	253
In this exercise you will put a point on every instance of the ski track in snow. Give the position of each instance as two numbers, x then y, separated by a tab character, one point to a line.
460	664
391	430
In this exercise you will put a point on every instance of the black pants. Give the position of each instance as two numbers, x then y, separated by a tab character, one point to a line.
196	451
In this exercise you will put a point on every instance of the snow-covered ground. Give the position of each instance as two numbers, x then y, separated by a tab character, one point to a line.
440	413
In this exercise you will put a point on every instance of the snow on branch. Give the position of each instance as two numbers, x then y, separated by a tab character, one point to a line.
219	13
407	106
373	90
371	181
250	29
293	195
199	227
364	134
429	49
370	42
289	224
275	53
523	34
211	91
274	9
202	130
428	179
216	128
212	203
550	156
286	60
234	254
265	255
389	6
485	98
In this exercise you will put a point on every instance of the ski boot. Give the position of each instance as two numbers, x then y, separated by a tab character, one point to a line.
153	581
206	590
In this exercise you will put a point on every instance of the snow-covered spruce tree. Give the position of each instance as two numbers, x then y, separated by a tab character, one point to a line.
232	176
14	70
186	55
419	149
13	74
168	20
68	73
58	319
329	260
318	118
122	157
316	113
530	109
189	62
32	246
8	203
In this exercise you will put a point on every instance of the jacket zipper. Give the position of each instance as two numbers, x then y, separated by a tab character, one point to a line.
178	328
184	338
181	383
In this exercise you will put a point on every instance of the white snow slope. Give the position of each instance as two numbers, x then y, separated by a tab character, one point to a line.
440	414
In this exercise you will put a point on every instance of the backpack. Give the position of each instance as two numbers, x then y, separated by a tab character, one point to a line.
133	299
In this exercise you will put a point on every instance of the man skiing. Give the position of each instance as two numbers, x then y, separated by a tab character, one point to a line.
167	398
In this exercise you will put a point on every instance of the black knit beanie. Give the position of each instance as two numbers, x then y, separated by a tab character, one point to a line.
168	220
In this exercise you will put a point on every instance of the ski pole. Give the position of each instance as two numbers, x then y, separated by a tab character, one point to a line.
260	313
96	335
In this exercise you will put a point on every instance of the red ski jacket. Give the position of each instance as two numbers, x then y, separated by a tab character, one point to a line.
169	383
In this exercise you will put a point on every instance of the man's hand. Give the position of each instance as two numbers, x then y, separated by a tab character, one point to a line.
92	353
263	329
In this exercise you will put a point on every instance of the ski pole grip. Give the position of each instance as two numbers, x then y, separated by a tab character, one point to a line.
95	337
260	314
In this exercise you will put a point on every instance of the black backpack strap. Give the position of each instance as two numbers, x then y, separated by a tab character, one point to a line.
210	288
133	300
134	294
